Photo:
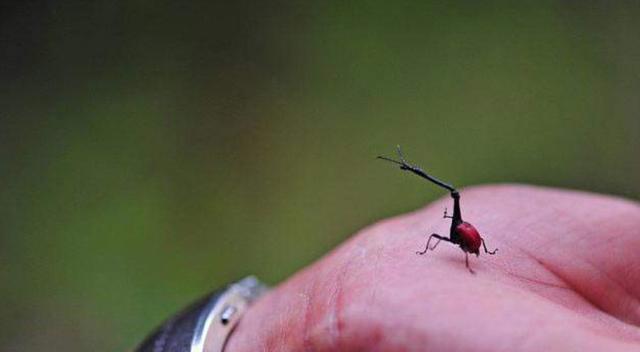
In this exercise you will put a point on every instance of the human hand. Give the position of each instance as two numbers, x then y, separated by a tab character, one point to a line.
566	278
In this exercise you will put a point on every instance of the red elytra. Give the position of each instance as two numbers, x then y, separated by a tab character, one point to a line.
461	233
469	237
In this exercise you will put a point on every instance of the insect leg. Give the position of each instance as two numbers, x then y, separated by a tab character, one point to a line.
438	237
488	251
466	262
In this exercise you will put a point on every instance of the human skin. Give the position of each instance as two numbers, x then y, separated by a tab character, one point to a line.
566	278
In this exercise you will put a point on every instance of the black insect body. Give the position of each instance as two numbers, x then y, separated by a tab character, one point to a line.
462	233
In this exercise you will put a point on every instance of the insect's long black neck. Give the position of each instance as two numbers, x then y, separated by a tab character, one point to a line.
418	171
457	214
404	165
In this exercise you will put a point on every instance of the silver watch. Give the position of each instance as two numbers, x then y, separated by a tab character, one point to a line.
205	325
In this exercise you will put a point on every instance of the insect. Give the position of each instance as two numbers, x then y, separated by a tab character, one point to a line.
462	233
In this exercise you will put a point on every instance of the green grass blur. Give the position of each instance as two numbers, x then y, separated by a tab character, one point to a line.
151	151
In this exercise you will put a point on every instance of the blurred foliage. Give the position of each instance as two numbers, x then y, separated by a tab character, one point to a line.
151	151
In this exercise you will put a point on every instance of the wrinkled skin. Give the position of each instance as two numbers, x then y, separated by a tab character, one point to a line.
566	278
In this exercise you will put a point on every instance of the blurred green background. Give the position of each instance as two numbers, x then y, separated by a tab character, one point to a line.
151	151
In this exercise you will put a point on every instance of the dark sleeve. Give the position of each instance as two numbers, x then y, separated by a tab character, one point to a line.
176	334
